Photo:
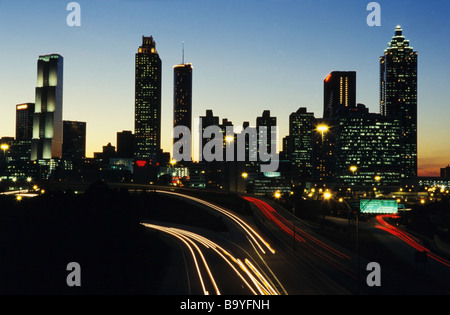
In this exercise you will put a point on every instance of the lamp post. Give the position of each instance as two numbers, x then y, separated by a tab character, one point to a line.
353	169
244	175
4	147
277	195
322	129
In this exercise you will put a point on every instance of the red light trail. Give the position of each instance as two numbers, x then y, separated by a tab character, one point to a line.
410	240
302	237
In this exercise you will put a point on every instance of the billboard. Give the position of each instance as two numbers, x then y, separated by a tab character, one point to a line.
378	206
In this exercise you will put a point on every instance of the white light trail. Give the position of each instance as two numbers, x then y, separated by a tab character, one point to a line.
251	277
245	227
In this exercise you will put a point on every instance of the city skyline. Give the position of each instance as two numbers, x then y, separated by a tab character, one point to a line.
282	97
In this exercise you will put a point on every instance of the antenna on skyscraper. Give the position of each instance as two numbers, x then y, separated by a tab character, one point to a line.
182	60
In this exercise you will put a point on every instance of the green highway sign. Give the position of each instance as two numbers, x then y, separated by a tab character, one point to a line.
381	206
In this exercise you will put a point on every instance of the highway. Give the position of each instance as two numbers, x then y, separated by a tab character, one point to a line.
430	276
236	274
274	253
286	273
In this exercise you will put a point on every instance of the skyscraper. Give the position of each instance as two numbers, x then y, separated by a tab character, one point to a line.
370	142
300	143
398	97
147	122
339	92
24	121
182	96
265	120
125	144
47	122
74	144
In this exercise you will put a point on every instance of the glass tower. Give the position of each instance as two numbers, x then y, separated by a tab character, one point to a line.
74	145
147	119
339	92
24	121
300	142
398	97
182	96
370	142
47	121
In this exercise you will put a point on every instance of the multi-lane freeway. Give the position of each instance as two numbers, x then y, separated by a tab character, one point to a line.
273	252
294	259
247	260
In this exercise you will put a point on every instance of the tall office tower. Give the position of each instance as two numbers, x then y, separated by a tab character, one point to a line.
265	120
213	169
24	121
125	144
74	144
339	92
47	122
398	96
371	143
147	119
300	143
182	95
182	99
208	120
324	146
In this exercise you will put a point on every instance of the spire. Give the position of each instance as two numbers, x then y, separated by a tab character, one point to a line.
398	31
182	53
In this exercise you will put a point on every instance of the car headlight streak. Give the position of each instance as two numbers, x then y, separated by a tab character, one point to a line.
247	272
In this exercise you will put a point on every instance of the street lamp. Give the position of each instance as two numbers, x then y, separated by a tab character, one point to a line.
244	175
229	139
4	147
322	129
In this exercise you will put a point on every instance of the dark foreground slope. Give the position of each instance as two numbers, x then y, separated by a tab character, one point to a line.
100	230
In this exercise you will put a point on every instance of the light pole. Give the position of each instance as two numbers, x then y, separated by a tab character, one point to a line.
244	176
4	147
322	129
172	169
277	195
353	169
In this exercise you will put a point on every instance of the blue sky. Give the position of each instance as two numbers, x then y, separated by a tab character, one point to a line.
248	56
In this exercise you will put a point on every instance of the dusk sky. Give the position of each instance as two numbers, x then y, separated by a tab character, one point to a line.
248	56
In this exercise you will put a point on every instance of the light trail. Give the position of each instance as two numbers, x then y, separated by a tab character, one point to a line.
251	277
407	238
254	236
322	250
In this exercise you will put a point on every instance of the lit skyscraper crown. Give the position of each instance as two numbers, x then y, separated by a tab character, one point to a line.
398	40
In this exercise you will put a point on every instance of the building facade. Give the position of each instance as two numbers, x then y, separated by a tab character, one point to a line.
147	122
47	121
74	144
300	143
398	97
339	92
367	149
